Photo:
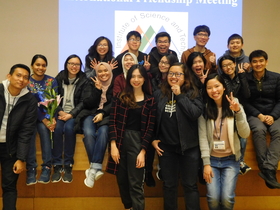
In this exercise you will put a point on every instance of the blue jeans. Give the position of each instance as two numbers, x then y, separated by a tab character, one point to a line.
243	144
221	191
95	140
46	147
174	165
64	145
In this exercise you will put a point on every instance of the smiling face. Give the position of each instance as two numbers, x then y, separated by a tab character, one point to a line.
39	67
137	80
103	73
228	68
198	66
176	76
128	62
134	43
102	48
259	64
73	67
215	90
201	38
163	65
163	45
235	46
19	79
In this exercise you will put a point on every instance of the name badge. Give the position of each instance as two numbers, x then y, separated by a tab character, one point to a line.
219	145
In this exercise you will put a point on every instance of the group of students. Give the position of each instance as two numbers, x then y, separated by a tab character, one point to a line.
189	112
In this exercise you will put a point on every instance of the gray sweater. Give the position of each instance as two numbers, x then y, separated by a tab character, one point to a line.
206	127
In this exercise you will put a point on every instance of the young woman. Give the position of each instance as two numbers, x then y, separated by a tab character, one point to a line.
130	132
197	63
38	83
100	51
164	64
93	120
179	105
236	83
128	60
71	84
223	122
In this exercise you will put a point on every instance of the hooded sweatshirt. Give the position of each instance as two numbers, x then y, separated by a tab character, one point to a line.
10	103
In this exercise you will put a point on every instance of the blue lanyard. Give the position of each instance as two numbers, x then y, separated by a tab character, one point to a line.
219	137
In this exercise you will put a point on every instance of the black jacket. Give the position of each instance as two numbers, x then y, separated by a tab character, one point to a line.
267	100
78	93
21	123
155	57
187	113
91	104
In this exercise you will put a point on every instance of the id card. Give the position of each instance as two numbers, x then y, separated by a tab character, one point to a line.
219	145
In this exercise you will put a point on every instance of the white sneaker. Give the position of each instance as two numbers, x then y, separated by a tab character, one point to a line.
98	175
90	175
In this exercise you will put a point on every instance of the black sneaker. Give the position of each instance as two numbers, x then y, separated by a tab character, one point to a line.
31	176
270	179
57	170
244	168
67	177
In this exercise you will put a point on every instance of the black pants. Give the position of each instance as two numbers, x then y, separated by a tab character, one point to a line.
9	179
130	179
174	165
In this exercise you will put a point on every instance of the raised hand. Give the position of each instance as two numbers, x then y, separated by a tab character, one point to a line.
94	63
97	83
203	76
147	65
113	63
233	105
240	68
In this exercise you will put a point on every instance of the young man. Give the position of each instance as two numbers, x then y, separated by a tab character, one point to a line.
263	112
18	114
133	42
235	51
163	40
201	36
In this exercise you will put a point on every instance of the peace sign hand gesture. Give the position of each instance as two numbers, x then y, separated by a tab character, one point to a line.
147	65
97	83
233	105
240	68
203	76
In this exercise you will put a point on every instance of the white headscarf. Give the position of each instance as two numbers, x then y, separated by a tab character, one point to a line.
135	62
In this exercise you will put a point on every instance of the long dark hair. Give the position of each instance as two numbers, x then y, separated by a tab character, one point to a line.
127	95
65	72
92	52
211	111
185	88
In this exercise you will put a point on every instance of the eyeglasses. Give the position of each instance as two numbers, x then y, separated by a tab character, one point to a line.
134	40
74	64
164	63
102	45
227	65
163	42
202	35
177	74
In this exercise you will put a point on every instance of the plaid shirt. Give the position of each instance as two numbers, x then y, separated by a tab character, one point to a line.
117	124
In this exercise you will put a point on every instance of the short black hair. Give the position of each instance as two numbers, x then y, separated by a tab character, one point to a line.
133	33
235	36
258	53
201	28
22	66
163	34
